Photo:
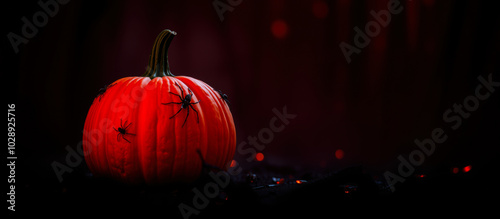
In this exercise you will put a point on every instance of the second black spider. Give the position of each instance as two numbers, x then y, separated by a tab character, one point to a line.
185	103
103	90
122	131
224	97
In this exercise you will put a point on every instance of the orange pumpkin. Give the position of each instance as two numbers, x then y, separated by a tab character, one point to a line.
149	129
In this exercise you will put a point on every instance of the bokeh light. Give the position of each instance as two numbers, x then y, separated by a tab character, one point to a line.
467	168
233	163
279	29
259	157
339	154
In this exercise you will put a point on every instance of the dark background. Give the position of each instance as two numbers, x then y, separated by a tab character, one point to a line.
395	91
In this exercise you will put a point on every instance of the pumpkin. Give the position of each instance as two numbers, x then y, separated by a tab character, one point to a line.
158	128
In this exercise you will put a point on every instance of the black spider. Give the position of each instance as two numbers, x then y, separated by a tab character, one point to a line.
122	131
185	104
103	90
224	97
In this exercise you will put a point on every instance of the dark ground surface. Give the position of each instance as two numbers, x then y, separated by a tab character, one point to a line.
346	193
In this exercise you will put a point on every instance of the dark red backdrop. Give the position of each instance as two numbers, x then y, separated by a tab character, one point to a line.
396	90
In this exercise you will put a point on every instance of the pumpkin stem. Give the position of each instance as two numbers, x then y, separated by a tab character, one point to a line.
158	60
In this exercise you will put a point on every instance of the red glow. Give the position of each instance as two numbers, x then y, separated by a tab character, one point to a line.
298	181
233	163
467	169
421	175
280	181
339	154
428	3
279	28
455	170
259	157
320	9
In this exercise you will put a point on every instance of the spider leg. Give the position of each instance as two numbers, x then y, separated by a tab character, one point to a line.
176	95
115	129
182	90
176	113
196	102
186	117
123	136
118	137
127	125
171	103
121	125
129	134
192	95
197	117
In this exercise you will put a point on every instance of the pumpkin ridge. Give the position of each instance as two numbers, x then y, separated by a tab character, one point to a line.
172	126
123	148
108	158
213	143
201	128
224	122
184	136
158	87
216	145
